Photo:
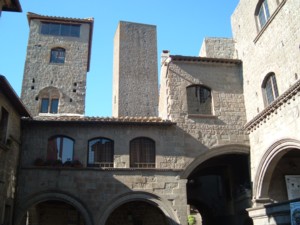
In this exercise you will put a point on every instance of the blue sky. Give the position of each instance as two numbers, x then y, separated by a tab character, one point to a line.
181	28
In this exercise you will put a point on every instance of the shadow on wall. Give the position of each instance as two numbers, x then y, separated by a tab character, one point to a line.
87	196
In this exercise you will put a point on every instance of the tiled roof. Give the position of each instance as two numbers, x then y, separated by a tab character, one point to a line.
204	59
107	120
31	16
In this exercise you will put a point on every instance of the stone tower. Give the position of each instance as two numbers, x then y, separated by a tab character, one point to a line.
57	61
135	80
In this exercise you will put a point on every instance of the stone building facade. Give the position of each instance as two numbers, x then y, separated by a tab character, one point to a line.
135	80
58	58
11	111
267	41
219	143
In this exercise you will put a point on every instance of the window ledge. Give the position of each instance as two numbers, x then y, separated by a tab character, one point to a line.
4	147
202	116
262	30
273	107
98	168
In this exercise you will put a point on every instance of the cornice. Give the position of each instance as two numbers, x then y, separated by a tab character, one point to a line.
282	100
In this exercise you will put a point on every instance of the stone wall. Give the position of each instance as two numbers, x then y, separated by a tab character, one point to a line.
272	49
218	48
97	187
225	124
69	78
9	158
135	90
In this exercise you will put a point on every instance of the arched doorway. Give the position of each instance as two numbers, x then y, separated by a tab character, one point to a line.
219	189
137	213
53	212
48	208
127	206
281	160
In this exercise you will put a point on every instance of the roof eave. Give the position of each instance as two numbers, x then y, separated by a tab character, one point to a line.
180	58
14	7
9	92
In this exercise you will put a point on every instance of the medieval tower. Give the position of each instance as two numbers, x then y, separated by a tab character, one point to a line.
135	80
57	61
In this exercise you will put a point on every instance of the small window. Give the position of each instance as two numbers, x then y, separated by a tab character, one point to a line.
54	106
49	105
262	13
101	152
199	100
270	88
60	148
57	55
3	125
142	153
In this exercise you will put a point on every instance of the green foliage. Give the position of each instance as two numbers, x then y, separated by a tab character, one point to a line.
191	220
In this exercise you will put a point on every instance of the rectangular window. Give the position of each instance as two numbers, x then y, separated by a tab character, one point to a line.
58	29
3	125
54	106
44	105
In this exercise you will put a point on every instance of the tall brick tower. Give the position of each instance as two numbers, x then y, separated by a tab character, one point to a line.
135	80
57	62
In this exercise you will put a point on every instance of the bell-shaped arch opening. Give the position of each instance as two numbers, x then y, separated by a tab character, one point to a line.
137	213
53	212
278	178
219	189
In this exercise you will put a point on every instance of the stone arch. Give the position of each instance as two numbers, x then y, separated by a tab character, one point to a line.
267	165
51	195
215	151
163	205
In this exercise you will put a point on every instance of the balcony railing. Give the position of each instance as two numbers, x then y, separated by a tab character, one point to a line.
104	164
144	165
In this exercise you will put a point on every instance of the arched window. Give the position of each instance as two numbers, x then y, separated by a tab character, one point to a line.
262	13
60	148
101	152
270	88
49	100
142	153
199	100
57	55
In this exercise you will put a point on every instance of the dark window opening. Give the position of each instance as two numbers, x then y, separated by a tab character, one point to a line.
101	152
270	88
60	148
49	105
58	55
199	100
142	153
3	125
57	29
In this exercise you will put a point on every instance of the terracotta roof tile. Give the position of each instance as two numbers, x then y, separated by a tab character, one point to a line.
92	119
204	59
